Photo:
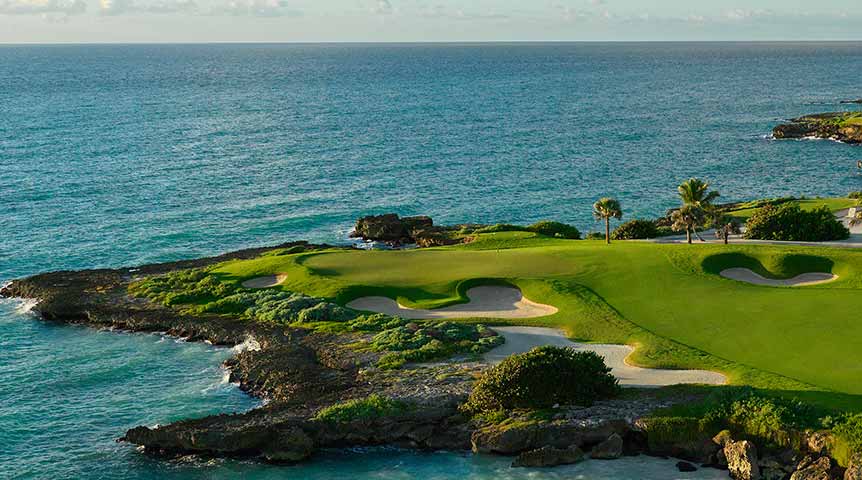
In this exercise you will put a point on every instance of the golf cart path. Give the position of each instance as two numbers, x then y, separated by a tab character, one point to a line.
523	339
485	302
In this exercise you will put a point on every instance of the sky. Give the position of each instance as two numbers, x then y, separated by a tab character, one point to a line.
111	21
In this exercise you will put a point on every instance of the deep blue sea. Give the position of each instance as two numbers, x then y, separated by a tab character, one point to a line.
121	155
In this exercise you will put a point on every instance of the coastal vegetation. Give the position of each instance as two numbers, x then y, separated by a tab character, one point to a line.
198	291
370	407
637	229
541	378
789	222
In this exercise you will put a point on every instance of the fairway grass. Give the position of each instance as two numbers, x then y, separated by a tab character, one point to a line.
668	301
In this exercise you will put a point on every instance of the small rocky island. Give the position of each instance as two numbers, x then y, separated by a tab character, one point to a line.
334	377
839	126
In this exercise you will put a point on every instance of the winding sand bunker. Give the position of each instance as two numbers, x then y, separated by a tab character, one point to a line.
523	339
485	302
748	276
265	282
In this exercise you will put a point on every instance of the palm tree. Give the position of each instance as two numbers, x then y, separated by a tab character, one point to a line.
687	218
695	192
605	209
725	225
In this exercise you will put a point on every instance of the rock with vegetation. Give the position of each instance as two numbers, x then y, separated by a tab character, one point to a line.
789	222
390	228
841	126
549	457
541	378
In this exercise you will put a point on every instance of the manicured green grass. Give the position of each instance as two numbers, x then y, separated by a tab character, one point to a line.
834	204
666	299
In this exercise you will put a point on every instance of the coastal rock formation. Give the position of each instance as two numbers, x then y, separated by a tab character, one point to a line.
610	449
514	439
840	126
742	460
858	100
819	469
391	228
549	457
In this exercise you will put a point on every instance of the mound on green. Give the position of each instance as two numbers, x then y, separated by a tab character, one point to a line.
541	378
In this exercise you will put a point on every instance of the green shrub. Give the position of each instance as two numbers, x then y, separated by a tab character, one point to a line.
635	230
421	342
848	437
373	406
595	236
855	195
790	223
555	229
748	413
182	287
541	378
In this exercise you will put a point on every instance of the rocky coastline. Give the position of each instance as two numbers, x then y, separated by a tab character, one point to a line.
839	126
300	372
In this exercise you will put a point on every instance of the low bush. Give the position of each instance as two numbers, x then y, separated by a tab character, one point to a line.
541	378
190	286
635	230
746	412
855	195
421	342
555	229
595	236
789	222
373	406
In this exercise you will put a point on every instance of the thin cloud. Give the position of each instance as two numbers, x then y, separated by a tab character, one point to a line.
51	8
383	7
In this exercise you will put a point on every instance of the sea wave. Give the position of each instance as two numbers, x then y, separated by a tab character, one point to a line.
249	344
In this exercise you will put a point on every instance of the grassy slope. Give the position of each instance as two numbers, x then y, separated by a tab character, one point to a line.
667	299
834	204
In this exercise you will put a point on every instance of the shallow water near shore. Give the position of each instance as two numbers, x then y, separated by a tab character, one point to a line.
123	155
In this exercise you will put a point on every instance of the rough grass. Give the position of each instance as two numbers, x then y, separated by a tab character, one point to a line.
668	300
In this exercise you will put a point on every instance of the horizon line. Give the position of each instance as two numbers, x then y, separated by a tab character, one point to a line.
428	42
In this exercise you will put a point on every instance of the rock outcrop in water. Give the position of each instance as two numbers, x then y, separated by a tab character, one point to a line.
839	126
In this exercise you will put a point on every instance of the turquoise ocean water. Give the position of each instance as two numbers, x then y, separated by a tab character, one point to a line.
121	155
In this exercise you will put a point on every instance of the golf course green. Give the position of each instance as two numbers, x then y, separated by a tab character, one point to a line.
667	300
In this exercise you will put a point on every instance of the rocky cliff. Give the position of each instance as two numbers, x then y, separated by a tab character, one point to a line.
840	126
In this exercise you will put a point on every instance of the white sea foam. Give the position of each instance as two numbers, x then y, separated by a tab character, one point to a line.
249	344
26	306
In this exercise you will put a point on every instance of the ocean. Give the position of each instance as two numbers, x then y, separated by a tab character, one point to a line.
116	155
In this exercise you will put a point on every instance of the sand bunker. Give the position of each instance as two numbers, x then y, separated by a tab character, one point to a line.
748	276
265	282
485	302
523	339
